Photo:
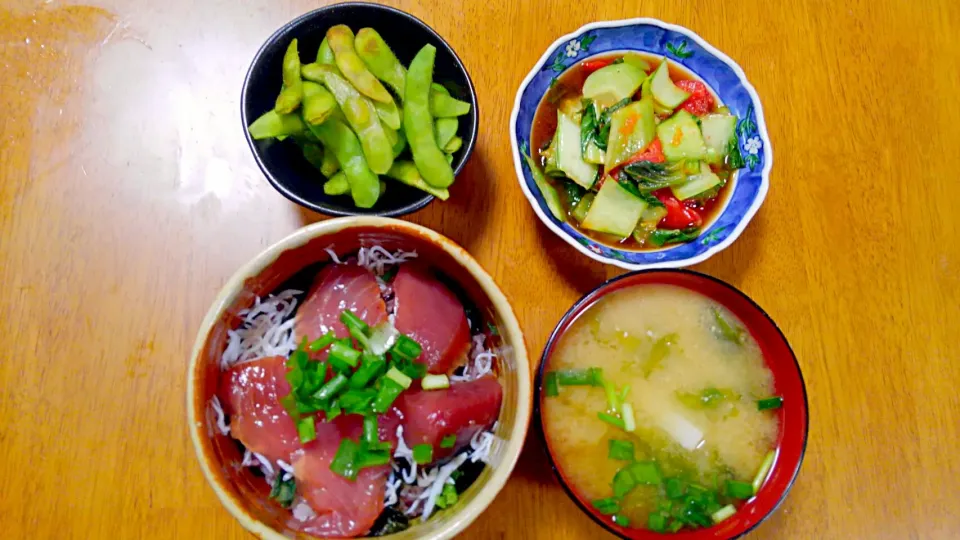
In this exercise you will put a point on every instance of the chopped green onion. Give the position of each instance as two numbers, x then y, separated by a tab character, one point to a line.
613	401
646	472
723	513
729	331
345	461
657	522
371	433
344	353
621	450
608	506
629	422
406	348
372	458
389	390
322	342
774	402
621	520
550	384
414	370
398	377
435	382
764	471
739	490
307	429
357	401
382	337
675	488
596	376
610	419
332	387
423	453
448	497
289	404
623	482
333	410
575	377
350	320
675	526
449	441
283	491
370	367
624	393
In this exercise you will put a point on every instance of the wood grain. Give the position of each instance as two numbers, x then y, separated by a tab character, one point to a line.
128	196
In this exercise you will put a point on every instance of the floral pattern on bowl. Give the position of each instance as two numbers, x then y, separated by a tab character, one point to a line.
721	73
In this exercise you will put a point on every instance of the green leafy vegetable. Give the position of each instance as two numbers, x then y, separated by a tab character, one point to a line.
739	490
621	520
588	125
608	506
623	482
659	352
661	237
734	157
283	491
550	384
620	450
728	330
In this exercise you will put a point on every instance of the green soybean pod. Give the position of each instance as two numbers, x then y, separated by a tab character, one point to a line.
380	60
444	106
360	114
406	172
389	114
364	184
454	145
400	145
329	166
292	92
318	103
446	129
341	39
312	152
337	185
418	123
271	124
325	53
437	87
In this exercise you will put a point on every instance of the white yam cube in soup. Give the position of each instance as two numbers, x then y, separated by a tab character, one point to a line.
659	409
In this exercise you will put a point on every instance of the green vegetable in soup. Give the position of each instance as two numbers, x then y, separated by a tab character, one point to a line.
613	83
418	122
661	237
764	471
582	208
341	41
318	103
568	153
608	506
337	185
728	330
272	124
614	211
292	92
681	138
406	172
621	450
632	129
658	353
381	61
664	91
444	106
550	195
698	184
364	184
765	404
718	130
636	60
360	113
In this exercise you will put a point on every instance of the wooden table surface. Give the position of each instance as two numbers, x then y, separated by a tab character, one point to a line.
128	196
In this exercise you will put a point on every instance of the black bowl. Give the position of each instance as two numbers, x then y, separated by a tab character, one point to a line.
282	162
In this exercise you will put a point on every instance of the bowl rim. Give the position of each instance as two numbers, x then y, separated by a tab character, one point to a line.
761	131
511	448
418	204
599	292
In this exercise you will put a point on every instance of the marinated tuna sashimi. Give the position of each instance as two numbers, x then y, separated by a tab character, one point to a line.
358	423
337	288
343	507
462	410
252	392
433	316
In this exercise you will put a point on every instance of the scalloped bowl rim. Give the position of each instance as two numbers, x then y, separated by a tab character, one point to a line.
761	131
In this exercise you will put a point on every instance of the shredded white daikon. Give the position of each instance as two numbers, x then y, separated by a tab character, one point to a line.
437	486
266	330
377	259
221	418
481	361
333	255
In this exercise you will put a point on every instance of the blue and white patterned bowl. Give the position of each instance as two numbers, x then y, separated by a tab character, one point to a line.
721	73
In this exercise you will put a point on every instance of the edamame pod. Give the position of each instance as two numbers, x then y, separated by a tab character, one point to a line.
325	53
400	145
272	124
389	114
418	123
329	166
337	185
312	153
437	87
318	103
406	172
360	114
381	61
292	92
364	184
454	145
446	130
444	106
341	39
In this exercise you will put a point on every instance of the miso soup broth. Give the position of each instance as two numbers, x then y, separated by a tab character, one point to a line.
657	409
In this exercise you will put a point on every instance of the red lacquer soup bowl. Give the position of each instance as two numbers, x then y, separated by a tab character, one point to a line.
788	382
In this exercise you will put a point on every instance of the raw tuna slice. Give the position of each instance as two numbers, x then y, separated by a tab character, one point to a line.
433	316
344	508
462	410
339	287
250	393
